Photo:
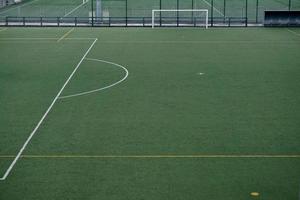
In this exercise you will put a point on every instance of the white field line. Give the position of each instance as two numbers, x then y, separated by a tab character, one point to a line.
4	29
103	88
21	6
214	8
294	32
45	115
38	42
9	39
66	34
161	156
75	9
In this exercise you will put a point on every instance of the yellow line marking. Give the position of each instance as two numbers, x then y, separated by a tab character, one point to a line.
199	41
294	32
3	29
66	34
153	156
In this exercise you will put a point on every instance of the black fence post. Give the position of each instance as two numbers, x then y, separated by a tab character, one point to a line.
41	18
177	12
224	10
193	12
159	13
23	21
92	12
290	5
212	13
246	13
126	12
256	20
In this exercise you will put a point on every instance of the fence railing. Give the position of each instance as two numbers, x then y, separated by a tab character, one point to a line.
138	12
121	21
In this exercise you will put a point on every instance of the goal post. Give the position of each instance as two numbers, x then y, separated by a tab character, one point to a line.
205	11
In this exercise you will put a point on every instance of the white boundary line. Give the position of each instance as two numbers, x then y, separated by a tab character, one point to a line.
20	6
103	88
75	9
45	115
214	8
294	32
10	39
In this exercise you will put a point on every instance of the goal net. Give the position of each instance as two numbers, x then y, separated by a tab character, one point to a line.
183	17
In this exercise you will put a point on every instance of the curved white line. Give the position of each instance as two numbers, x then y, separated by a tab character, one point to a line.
103	88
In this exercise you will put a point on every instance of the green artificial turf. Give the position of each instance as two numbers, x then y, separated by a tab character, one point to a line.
204	114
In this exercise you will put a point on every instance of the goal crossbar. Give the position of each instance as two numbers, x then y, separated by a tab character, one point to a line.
180	10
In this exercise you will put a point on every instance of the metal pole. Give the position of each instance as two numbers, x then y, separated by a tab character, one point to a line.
246	13
192	9
290	5
212	13
160	12
92	12
224	10
177	12
256	11
126	12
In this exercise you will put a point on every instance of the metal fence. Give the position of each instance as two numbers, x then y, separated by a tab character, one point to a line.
138	12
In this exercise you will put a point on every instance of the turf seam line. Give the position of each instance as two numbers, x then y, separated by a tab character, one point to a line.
66	34
45	115
75	9
103	88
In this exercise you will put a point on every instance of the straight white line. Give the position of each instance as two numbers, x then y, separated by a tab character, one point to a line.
25	4
66	34
9	39
45	115
75	9
294	32
214	8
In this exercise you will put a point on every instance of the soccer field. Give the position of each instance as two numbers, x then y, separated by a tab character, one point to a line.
149	113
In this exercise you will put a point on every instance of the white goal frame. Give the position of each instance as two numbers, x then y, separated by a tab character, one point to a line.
180	10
